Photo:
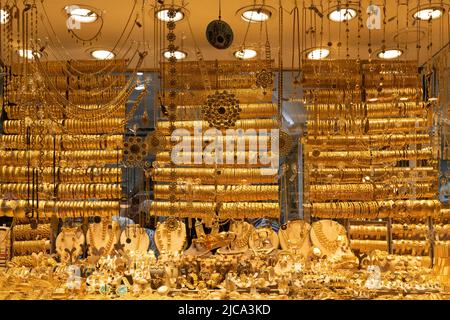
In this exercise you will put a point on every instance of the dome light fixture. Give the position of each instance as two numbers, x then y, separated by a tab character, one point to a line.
102	54
389	54
178	54
255	13
163	15
245	54
28	54
80	14
4	16
317	53
428	13
342	14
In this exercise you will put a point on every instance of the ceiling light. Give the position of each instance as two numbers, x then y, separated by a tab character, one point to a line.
163	15
428	13
390	54
140	87
4	16
256	15
318	54
373	99
28	54
344	14
139	73
102	55
404	99
82	15
245	54
179	55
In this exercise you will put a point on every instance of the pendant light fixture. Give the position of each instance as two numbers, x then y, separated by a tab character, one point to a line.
219	33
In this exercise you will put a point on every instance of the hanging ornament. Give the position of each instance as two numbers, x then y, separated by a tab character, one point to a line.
155	142
285	142
135	149
221	110
219	33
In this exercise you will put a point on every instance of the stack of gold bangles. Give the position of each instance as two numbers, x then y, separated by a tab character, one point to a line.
22	248
25	232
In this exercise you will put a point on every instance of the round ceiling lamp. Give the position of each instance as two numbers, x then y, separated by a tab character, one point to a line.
342	14
178	54
4	16
245	54
81	14
389	54
163	14
102	54
317	53
427	13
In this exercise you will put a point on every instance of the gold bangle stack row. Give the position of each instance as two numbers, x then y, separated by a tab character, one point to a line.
25	232
363	141
89	191
442	231
376	209
22	111
66	175
412	247
368	231
369	245
410	231
368	110
22	248
211	176
252	124
369	191
66	158
248	111
370	126
228	210
223	193
227	159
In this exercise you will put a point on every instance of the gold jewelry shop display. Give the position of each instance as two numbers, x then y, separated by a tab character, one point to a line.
101	237
264	240
294	236
170	236
69	244
134	239
328	236
243	230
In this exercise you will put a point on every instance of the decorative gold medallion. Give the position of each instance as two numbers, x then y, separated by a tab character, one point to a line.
221	110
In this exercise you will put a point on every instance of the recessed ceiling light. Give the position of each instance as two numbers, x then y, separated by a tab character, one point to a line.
373	99
4	16
139	73
79	14
178	54
256	15
102	55
404	99
318	54
28	54
163	15
428	13
245	54
342	14
390	54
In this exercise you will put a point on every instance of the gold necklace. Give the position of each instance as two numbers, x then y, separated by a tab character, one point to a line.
291	241
329	245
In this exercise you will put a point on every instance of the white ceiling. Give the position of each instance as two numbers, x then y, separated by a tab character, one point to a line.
201	12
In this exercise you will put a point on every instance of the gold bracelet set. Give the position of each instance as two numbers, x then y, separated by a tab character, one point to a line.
367	125
369	245
221	176
19	127
164	126
267	110
109	125
415	247
442	230
370	156
248	158
25	232
36	142
367	191
222	193
409	230
85	191
365	231
92	142
23	111
28	247
376	209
